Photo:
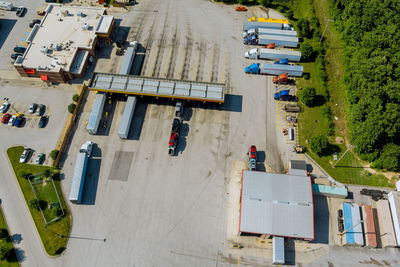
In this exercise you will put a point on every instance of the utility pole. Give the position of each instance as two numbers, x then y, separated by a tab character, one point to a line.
328	20
348	148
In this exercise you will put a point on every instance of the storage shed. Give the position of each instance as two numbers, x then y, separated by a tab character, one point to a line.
353	224
394	203
386	230
369	226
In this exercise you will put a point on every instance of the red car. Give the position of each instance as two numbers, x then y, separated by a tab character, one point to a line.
6	118
252	152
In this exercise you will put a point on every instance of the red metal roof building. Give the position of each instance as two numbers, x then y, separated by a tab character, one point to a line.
369	226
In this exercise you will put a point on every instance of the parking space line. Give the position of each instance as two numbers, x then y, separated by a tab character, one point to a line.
209	65
223	68
167	63
195	64
153	60
181	64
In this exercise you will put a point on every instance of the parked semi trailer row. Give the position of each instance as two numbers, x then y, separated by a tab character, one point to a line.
266	31
273	54
274	69
284	41
247	25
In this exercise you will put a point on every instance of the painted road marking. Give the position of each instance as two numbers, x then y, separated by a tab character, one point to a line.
223	68
195	64
209	65
181	64
167	63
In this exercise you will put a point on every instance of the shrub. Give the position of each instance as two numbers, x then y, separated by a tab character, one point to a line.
3	253
319	144
308	96
290	14
54	154
34	204
75	97
57	212
3	233
47	173
71	108
307	51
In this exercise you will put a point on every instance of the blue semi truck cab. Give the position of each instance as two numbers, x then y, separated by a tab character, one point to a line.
284	61
253	69
250	40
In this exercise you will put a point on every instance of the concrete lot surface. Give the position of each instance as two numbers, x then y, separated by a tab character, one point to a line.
21	94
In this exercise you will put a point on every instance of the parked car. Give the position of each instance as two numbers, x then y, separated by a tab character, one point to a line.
252	152
42	121
14	56
41	12
21	11
40	110
18	121
12	120
40	158
25	155
6	118
340	213
4	107
32	108
34	22
19	49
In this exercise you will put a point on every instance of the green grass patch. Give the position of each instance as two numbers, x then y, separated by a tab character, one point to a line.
53	244
5	242
314	120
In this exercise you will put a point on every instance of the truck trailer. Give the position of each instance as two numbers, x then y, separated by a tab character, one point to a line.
128	59
273	54
127	117
96	114
274	69
266	31
284	21
247	25
78	180
285	41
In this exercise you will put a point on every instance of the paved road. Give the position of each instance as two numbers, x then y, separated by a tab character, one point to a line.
28	244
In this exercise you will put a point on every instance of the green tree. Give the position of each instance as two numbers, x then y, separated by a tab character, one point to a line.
75	97
47	173
389	158
54	154
290	14
34	204
71	108
319	144
307	51
308	96
265	3
3	233
303	26
3	253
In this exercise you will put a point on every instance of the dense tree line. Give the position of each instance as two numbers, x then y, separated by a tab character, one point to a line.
371	33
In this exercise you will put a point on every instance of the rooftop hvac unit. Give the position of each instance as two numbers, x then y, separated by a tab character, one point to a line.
85	26
81	14
65	13
55	47
44	49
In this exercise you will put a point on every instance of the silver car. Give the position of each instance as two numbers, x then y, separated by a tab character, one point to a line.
32	108
4	107
25	155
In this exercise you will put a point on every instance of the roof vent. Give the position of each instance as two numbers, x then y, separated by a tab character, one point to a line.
81	14
44	49
65	13
85	26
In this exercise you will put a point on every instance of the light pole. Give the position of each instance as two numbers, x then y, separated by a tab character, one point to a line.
347	150
328	20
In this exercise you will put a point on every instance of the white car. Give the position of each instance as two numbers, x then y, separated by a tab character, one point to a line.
4	107
12	120
25	155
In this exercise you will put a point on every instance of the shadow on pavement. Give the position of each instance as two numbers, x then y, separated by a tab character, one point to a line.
321	220
137	121
290	254
92	177
6	26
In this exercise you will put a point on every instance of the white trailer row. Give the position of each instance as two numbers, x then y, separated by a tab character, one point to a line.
266	31
273	54
247	25
125	125
96	114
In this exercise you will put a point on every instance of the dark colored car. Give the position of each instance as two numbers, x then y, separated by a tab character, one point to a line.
21	11
19	49
42	121
18	121
340	213
6	118
14	56
40	110
34	22
176	125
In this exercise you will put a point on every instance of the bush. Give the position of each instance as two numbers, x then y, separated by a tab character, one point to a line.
34	204
3	233
265	3
57	212
75	97
319	144
55	174
3	253
71	108
54	154
47	173
308	96
389	158
307	51
303	26
290	14
24	174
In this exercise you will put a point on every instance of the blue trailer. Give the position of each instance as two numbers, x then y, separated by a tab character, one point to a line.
283	96
274	69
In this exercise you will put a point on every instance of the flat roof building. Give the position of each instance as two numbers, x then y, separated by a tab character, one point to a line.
276	205
60	46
